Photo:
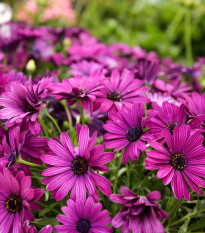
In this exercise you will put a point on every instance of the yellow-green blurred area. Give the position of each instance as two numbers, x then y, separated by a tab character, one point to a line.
173	28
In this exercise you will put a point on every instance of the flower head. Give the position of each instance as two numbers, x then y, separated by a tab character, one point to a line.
27	228
120	90
73	167
182	163
126	130
140	213
82	218
17	199
23	103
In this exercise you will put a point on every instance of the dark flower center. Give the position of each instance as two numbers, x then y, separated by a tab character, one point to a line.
12	158
171	127
178	161
79	166
134	133
83	226
81	91
30	108
114	95
14	204
86	73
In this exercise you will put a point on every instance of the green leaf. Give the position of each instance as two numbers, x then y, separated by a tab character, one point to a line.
184	227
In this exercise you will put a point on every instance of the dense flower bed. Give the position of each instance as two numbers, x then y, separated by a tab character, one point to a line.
82	120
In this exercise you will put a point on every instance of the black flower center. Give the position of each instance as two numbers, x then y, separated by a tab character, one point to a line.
134	133
171	127
83	226
12	158
30	108
114	95
178	161
79	166
14	204
81	91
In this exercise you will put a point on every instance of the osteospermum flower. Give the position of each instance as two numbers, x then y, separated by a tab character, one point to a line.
84	88
82	218
120	90
17	199
140	214
27	228
73	167
126	130
23	103
182	163
168	117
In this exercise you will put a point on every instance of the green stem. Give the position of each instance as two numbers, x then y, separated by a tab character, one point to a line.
20	160
46	206
187	37
45	130
128	175
115	183
53	120
81	111
64	103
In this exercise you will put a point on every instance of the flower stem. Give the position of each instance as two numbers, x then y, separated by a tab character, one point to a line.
46	206
64	103
128	175
20	160
81	111
115	183
45	130
53	120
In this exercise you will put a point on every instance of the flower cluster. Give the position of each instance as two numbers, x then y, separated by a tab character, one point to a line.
67	100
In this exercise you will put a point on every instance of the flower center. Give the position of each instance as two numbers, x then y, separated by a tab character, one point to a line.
79	166
81	91
178	161
114	95
171	127
134	133
13	204
83	226
12	158
30	108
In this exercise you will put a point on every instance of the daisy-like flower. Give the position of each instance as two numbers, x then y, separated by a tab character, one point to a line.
195	104
120	90
182	163
168	117
84	88
80	218
73	167
140	214
23	103
17	199
126	130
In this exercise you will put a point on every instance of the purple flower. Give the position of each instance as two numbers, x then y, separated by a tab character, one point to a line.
82	218
148	69
168	117
23	103
126	130
140	213
120	90
195	104
17	199
32	229
85	68
83	88
73	167
182	163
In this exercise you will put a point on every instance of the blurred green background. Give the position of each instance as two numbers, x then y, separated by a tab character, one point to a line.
174	28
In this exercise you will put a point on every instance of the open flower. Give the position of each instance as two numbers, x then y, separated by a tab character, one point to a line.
23	103
82	218
17	199
73	167
140	214
126	130
120	90
182	163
